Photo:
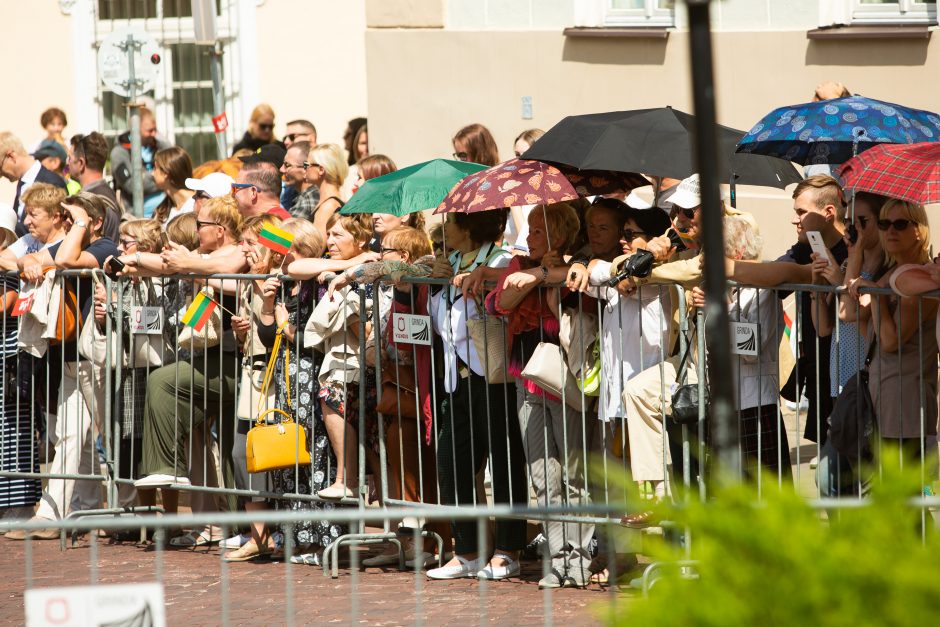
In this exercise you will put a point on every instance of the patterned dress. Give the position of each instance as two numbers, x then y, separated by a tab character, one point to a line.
306	411
17	444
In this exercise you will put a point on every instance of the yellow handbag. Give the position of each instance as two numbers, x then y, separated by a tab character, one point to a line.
281	445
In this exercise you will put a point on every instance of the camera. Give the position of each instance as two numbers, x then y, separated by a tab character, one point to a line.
640	264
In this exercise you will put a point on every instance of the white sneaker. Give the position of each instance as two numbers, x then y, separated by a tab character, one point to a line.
510	569
160	481
466	568
235	542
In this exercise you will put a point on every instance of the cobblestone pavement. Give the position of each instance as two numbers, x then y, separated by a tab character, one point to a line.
198	585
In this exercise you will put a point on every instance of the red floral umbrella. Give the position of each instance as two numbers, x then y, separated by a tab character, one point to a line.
522	182
908	172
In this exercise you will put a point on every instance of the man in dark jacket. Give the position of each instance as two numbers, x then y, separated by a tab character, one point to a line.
121	161
18	166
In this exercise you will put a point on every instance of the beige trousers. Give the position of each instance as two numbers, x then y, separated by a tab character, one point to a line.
646	398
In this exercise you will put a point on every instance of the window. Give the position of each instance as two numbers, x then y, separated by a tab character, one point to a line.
639	13
898	12
183	98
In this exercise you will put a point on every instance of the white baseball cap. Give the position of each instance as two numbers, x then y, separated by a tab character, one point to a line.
216	184
7	224
635	201
687	194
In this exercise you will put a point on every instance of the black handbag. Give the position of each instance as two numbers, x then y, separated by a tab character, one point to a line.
686	399
852	423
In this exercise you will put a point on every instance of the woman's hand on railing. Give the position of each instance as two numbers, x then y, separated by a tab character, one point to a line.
174	258
32	271
661	247
856	284
441	269
522	280
578	276
698	297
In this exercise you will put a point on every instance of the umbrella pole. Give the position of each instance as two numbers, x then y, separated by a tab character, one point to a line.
733	192
548	238
721	410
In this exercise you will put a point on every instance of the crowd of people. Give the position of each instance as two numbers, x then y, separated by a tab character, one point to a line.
316	330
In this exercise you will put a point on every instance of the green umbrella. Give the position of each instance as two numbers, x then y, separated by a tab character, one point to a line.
409	190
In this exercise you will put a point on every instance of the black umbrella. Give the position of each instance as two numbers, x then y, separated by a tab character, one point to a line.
658	142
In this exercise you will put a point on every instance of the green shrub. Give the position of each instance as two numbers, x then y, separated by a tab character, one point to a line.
778	563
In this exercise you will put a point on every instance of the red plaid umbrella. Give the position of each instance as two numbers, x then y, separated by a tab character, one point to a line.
908	172
522	182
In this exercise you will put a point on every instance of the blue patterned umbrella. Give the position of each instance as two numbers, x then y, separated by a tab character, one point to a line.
831	131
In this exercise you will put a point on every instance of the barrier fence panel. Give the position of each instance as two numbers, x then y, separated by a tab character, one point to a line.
409	396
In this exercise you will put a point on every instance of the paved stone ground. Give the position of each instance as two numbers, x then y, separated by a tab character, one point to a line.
257	593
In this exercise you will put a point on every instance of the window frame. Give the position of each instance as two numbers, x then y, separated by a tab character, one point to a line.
169	32
650	15
900	12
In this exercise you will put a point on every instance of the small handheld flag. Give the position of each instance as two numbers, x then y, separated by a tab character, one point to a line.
276	239
199	311
23	304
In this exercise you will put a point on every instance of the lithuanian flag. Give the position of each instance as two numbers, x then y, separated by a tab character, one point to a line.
276	239
198	313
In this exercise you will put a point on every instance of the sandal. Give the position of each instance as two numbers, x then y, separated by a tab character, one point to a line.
639	521
249	551
194	538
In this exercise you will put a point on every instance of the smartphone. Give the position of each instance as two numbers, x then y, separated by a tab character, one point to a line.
115	265
852	233
818	246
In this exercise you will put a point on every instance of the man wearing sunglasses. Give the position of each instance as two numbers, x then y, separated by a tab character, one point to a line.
300	131
257	191
818	205
305	195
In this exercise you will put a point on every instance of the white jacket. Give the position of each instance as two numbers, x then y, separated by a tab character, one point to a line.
330	328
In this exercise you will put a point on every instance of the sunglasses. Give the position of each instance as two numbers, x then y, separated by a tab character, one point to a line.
899	225
200	224
382	251
238	186
688	213
126	243
201	195
288	165
630	234
461	156
290	137
266	127
310	164
863	220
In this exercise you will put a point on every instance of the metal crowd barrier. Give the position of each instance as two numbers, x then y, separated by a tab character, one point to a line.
592	447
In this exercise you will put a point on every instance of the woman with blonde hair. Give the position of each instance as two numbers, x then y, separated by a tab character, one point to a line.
903	370
326	168
171	167
531	313
260	130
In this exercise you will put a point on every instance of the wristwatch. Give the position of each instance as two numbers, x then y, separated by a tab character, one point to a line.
80	224
544	273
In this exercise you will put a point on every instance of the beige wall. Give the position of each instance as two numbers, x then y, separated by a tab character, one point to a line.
425	84
36	76
311	60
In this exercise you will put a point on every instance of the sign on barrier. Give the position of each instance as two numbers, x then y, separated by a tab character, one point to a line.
411	329
77	606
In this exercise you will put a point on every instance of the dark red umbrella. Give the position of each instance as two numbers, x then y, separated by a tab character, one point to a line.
522	182
908	172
